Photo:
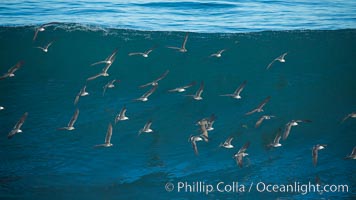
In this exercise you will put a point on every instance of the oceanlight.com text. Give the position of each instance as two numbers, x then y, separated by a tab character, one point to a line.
236	187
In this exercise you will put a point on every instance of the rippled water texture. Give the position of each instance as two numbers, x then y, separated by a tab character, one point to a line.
197	16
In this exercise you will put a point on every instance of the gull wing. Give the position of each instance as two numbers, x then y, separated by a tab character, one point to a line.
74	118
270	64
94	77
162	76
18	125
150	50
200	90
259	122
239	161
112	55
135	53
347	116
177	48
76	99
35	35
264	102
185	40
99	62
49	24
287	130
283	55
315	155
228	140
222	51
251	112
244	148
147	125
107	66
277	138
123	111
108	134
194	145
148	93
189	85
21	121
240	88
14	68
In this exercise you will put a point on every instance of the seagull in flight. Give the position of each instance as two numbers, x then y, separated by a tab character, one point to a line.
276	140
45	48
12	70
70	125
18	125
110	84
181	49
146	128
182	88
109	60
262	118
145	96
203	129
104	71
107	138
236	94
197	95
194	139
241	154
121	116
42	28
279	58
144	54
315	150
211	121
207	122
155	82
259	108
81	93
227	144
218	54
289	126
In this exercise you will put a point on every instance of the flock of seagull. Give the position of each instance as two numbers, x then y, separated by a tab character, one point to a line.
205	124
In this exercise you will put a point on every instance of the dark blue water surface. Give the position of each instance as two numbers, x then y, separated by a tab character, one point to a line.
317	82
186	15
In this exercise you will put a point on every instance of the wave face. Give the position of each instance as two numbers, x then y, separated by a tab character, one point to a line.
187	15
317	82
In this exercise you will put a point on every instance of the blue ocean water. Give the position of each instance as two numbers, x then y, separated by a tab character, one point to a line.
186	15
316	82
